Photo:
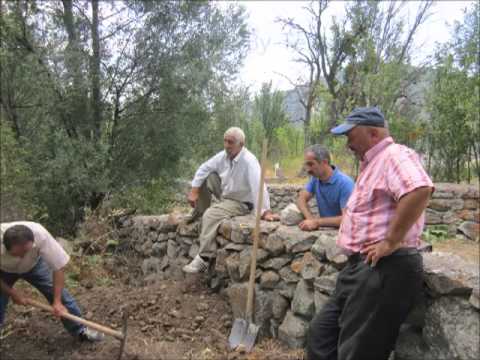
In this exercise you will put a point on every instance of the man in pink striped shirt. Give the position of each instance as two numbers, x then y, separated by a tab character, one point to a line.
380	233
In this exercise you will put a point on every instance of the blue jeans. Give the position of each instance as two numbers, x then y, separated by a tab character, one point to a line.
40	277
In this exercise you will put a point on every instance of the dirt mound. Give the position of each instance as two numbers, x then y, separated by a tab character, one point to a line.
167	320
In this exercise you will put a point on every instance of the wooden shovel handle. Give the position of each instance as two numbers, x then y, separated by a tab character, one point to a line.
256	235
90	324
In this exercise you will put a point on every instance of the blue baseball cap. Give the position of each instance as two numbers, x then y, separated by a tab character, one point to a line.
367	116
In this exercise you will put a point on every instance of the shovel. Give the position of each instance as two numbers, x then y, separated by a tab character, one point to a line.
122	336
244	331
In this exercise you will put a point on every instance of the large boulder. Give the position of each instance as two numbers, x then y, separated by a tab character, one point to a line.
449	274
452	328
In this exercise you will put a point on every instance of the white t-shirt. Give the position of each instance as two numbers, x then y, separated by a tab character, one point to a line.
44	245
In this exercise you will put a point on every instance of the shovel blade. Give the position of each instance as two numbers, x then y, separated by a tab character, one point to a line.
250	337
239	329
243	334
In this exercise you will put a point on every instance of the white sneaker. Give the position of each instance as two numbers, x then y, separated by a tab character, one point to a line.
90	335
197	265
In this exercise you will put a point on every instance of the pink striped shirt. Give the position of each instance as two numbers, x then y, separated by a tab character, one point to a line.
388	172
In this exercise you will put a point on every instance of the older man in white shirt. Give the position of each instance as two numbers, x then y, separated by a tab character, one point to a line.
30	253
233	177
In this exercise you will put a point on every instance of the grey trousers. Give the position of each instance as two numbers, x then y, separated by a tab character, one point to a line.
213	215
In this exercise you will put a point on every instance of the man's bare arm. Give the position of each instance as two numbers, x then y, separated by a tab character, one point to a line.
332	221
302	204
409	209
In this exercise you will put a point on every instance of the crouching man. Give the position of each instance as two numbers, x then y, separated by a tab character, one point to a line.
233	177
29	252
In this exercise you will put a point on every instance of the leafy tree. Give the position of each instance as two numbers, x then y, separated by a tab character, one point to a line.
111	95
268	108
454	103
364	61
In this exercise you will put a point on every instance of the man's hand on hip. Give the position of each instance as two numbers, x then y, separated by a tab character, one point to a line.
378	250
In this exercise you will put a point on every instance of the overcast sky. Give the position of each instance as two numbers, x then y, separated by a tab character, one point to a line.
268	56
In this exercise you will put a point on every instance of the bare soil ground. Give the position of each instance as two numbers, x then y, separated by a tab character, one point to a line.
167	320
468	250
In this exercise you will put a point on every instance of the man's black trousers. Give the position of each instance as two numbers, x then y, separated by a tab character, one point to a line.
362	318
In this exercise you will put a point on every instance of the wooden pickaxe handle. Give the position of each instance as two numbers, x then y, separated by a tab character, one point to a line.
90	324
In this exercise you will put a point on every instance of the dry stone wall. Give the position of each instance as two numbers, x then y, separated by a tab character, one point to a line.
453	207
296	275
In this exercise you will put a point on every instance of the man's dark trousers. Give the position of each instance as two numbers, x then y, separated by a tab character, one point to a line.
362	318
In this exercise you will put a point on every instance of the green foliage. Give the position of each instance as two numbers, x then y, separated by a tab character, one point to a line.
268	109
17	192
454	102
435	233
114	107
288	142
155	197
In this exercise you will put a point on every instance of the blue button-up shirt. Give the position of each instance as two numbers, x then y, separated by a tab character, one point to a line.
331	195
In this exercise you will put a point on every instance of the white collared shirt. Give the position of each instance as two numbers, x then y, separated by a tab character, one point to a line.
44	245
240	177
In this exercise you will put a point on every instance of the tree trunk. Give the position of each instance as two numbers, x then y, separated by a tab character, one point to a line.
95	70
77	111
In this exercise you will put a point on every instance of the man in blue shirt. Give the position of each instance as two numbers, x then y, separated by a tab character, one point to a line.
329	185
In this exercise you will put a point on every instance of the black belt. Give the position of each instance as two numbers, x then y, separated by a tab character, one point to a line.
357	257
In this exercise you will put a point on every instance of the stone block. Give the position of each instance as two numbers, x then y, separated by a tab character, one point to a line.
288	275
452	328
296	240
475	298
291	215
189	230
171	249
276	263
269	280
159	249
303	303
326	283
280	306
275	244
245	261
470	229
292	331
433	217
445	204
232	263
448	274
